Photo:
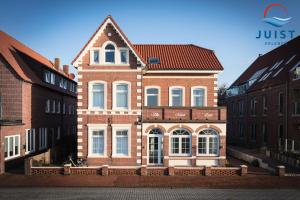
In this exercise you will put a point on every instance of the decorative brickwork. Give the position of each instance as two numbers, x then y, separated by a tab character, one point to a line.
47	171
189	172
157	171
123	172
85	171
223	171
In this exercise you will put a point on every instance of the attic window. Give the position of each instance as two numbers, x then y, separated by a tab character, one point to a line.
153	60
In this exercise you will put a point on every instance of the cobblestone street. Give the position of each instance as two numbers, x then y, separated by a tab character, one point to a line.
144	193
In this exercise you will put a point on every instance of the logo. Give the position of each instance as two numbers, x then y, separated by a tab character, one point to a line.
276	21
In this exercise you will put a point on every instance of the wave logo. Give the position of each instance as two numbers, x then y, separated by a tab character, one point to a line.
276	21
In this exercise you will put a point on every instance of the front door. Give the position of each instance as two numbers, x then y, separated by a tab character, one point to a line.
155	150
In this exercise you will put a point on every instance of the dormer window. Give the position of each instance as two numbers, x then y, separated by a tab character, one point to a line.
110	53
153	60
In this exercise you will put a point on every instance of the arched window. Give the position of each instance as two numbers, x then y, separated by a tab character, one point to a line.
181	142
110	53
208	142
155	131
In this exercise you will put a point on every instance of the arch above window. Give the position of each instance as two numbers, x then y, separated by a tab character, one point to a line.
109	51
208	132
155	131
208	143
180	141
109	47
181	131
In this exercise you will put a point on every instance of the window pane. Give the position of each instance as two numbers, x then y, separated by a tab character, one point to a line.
213	145
177	97
175	145
202	145
122	96
122	142
98	95
110	56
96	56
152	101
198	96
124	56
98	142
11	146
16	145
152	91
185	145
6	148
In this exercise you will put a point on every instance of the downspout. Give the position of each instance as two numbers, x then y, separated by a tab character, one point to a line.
286	114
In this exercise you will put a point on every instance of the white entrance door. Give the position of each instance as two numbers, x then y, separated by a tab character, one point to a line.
155	150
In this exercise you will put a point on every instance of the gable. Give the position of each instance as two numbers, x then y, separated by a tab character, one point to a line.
107	25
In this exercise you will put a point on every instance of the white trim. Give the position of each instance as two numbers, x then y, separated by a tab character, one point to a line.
32	131
205	94
127	54
103	53
183	71
180	143
92	50
110	70
114	101
207	143
89	45
90	95
146	95
170	95
97	127
182	77
15	154
115	128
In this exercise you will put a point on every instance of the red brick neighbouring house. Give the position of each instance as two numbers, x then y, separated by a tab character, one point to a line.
37	105
264	102
148	105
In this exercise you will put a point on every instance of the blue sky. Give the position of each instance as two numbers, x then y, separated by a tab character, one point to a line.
60	28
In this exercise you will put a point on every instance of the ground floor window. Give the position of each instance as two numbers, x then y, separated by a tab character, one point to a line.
97	141
43	138
30	140
181	142
12	146
208	143
155	147
121	141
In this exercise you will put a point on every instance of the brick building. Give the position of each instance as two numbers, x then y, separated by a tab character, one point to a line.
37	105
150	105
264	102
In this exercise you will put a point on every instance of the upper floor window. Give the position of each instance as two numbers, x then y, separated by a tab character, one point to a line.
198	97
96	56
52	78
121	95
253	103
153	60
47	107
253	132
296	109
241	107
264	100
47	76
124	53
110	53
280	99
97	94
61	83
176	96
152	97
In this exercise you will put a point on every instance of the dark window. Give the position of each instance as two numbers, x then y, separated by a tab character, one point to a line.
296	108
154	60
264	132
280	103
253	106
280	135
253	131
264	99
241	107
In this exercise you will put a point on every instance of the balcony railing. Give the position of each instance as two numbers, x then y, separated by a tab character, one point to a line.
184	114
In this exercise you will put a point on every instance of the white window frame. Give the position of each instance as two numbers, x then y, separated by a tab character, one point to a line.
180	143
15	154
92	50
146	94
127	55
205	95
116	51
43	131
120	127
183	95
90	97
207	136
97	127
32	134
52	78
114	107
47	76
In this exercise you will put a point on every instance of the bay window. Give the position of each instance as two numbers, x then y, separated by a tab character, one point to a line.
11	146
208	143
181	142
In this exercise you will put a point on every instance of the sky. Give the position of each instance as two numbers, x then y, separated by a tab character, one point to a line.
60	28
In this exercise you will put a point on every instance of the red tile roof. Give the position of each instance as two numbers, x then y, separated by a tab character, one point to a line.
284	52
179	57
10	48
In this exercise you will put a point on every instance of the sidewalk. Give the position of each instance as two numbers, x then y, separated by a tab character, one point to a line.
151	181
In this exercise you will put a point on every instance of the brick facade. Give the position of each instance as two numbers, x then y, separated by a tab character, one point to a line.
139	117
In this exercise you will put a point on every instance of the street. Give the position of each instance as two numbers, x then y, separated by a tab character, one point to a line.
146	193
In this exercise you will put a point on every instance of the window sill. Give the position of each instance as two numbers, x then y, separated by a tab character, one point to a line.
12	157
109	64
97	156
207	155
180	155
120	156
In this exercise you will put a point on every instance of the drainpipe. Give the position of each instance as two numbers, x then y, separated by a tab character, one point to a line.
286	115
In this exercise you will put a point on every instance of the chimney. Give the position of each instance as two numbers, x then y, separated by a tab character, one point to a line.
66	69
56	63
72	76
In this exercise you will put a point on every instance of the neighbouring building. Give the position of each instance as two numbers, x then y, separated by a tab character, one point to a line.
264	102
37	105
148	105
